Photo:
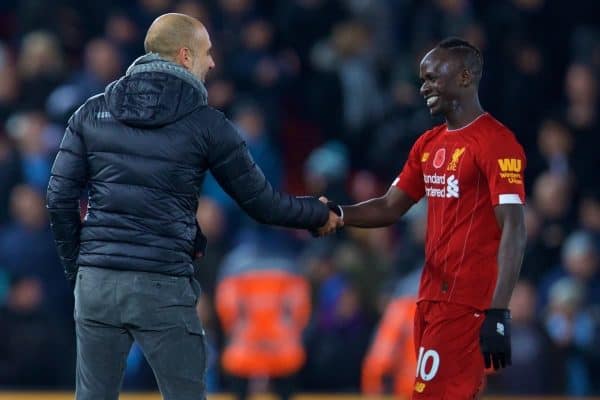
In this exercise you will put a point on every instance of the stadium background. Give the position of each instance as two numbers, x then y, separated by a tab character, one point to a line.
326	94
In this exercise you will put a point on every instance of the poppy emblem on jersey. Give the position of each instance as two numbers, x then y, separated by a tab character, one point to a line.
439	158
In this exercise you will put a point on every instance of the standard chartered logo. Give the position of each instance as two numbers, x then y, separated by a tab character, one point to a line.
449	186
452	189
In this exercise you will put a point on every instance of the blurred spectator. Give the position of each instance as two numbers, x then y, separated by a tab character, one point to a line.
194	9
263	304
365	261
581	113
440	18
221	93
302	23
41	68
228	21
326	171
581	87
554	150
392	353
26	249
552	198
379	18
252	65
102	65
9	84
364	186
338	335
10	175
521	109
581	263
589	214
37	140
536	361
146	11
574	329
124	34
348	54
537	259
31	341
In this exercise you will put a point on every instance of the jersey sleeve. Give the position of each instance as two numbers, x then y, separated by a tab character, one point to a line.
503	162
410	179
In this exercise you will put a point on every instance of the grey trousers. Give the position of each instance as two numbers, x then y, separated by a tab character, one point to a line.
114	308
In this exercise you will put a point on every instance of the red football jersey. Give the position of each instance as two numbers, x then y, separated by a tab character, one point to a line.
464	173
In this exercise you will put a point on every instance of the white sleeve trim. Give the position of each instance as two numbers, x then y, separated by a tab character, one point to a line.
511	198
395	181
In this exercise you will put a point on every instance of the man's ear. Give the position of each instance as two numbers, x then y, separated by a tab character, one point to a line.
184	58
466	78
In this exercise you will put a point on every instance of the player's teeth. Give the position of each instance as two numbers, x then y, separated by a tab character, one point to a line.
431	100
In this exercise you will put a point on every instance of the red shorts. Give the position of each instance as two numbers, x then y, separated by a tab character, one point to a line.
449	361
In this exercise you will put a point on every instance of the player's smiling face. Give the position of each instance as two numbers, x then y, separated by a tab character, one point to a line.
439	74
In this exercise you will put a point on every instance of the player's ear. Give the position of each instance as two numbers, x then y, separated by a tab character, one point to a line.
465	78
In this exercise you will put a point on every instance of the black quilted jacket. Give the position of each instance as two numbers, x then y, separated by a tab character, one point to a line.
142	148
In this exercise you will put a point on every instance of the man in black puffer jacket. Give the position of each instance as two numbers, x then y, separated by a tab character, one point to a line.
142	148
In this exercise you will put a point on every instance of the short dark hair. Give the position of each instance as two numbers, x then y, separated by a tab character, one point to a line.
469	54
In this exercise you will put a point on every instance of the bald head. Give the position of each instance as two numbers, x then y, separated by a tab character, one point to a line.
171	32
183	40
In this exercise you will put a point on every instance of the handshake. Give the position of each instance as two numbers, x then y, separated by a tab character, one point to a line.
335	220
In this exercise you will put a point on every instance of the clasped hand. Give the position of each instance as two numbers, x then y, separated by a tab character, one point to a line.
335	220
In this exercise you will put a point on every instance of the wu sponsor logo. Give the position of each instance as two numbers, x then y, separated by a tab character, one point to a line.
510	164
510	169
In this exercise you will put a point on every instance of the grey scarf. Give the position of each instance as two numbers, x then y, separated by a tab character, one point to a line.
152	62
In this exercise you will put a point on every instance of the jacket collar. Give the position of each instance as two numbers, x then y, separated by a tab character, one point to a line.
152	62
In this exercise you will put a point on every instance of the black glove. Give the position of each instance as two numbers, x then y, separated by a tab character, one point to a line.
335	208
494	338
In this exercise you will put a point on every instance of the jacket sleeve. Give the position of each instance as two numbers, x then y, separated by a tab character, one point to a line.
234	169
67	180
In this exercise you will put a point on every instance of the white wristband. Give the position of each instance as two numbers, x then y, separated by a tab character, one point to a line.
341	212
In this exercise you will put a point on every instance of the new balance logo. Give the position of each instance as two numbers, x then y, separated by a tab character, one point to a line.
509	164
500	328
452	189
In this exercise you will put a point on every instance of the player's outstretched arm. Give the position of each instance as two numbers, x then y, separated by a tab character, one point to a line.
511	219
495	331
236	172
380	211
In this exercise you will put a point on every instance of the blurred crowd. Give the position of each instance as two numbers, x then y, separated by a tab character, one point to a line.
325	93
